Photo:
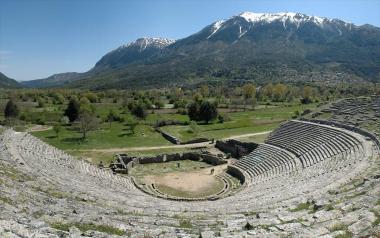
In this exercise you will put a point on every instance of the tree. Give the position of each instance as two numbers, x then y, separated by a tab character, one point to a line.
159	104
197	97
249	92
72	110
110	117
307	94
279	92
180	104
58	98
92	97
85	104
293	92
57	129
208	111
139	111
131	105
177	93
86	122
193	111
11	111
268	90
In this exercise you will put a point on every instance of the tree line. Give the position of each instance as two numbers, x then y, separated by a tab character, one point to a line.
200	102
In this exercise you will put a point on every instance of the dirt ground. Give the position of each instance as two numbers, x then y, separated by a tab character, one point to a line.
38	128
194	181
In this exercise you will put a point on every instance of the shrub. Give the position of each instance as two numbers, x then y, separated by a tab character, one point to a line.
64	120
220	118
41	102
72	110
305	112
162	123
306	100
182	111
185	223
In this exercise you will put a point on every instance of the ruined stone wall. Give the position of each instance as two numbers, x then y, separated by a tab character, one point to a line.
236	148
160	158
210	159
125	158
191	156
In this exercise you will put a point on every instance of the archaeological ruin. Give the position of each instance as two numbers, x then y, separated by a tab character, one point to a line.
316	176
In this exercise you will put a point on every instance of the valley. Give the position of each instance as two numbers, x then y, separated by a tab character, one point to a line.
188	119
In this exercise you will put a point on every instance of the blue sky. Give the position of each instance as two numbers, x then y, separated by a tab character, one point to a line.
39	38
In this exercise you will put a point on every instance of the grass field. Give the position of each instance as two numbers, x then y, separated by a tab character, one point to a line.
265	118
105	137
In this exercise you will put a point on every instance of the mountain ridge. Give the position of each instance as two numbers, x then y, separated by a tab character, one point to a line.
132	51
54	80
6	82
248	45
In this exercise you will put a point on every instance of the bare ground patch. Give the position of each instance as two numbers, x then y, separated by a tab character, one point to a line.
195	183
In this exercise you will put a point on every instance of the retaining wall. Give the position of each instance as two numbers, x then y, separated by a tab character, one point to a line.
348	127
169	137
232	170
208	158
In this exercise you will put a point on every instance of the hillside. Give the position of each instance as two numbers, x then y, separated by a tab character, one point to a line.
141	49
55	80
254	46
6	82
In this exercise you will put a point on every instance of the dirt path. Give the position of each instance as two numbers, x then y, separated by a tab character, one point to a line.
247	135
195	145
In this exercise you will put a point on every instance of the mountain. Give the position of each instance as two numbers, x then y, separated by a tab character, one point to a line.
6	82
56	80
250	46
142	48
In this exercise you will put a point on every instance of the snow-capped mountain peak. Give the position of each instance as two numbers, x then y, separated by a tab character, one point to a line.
216	27
291	17
146	42
241	24
137	50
